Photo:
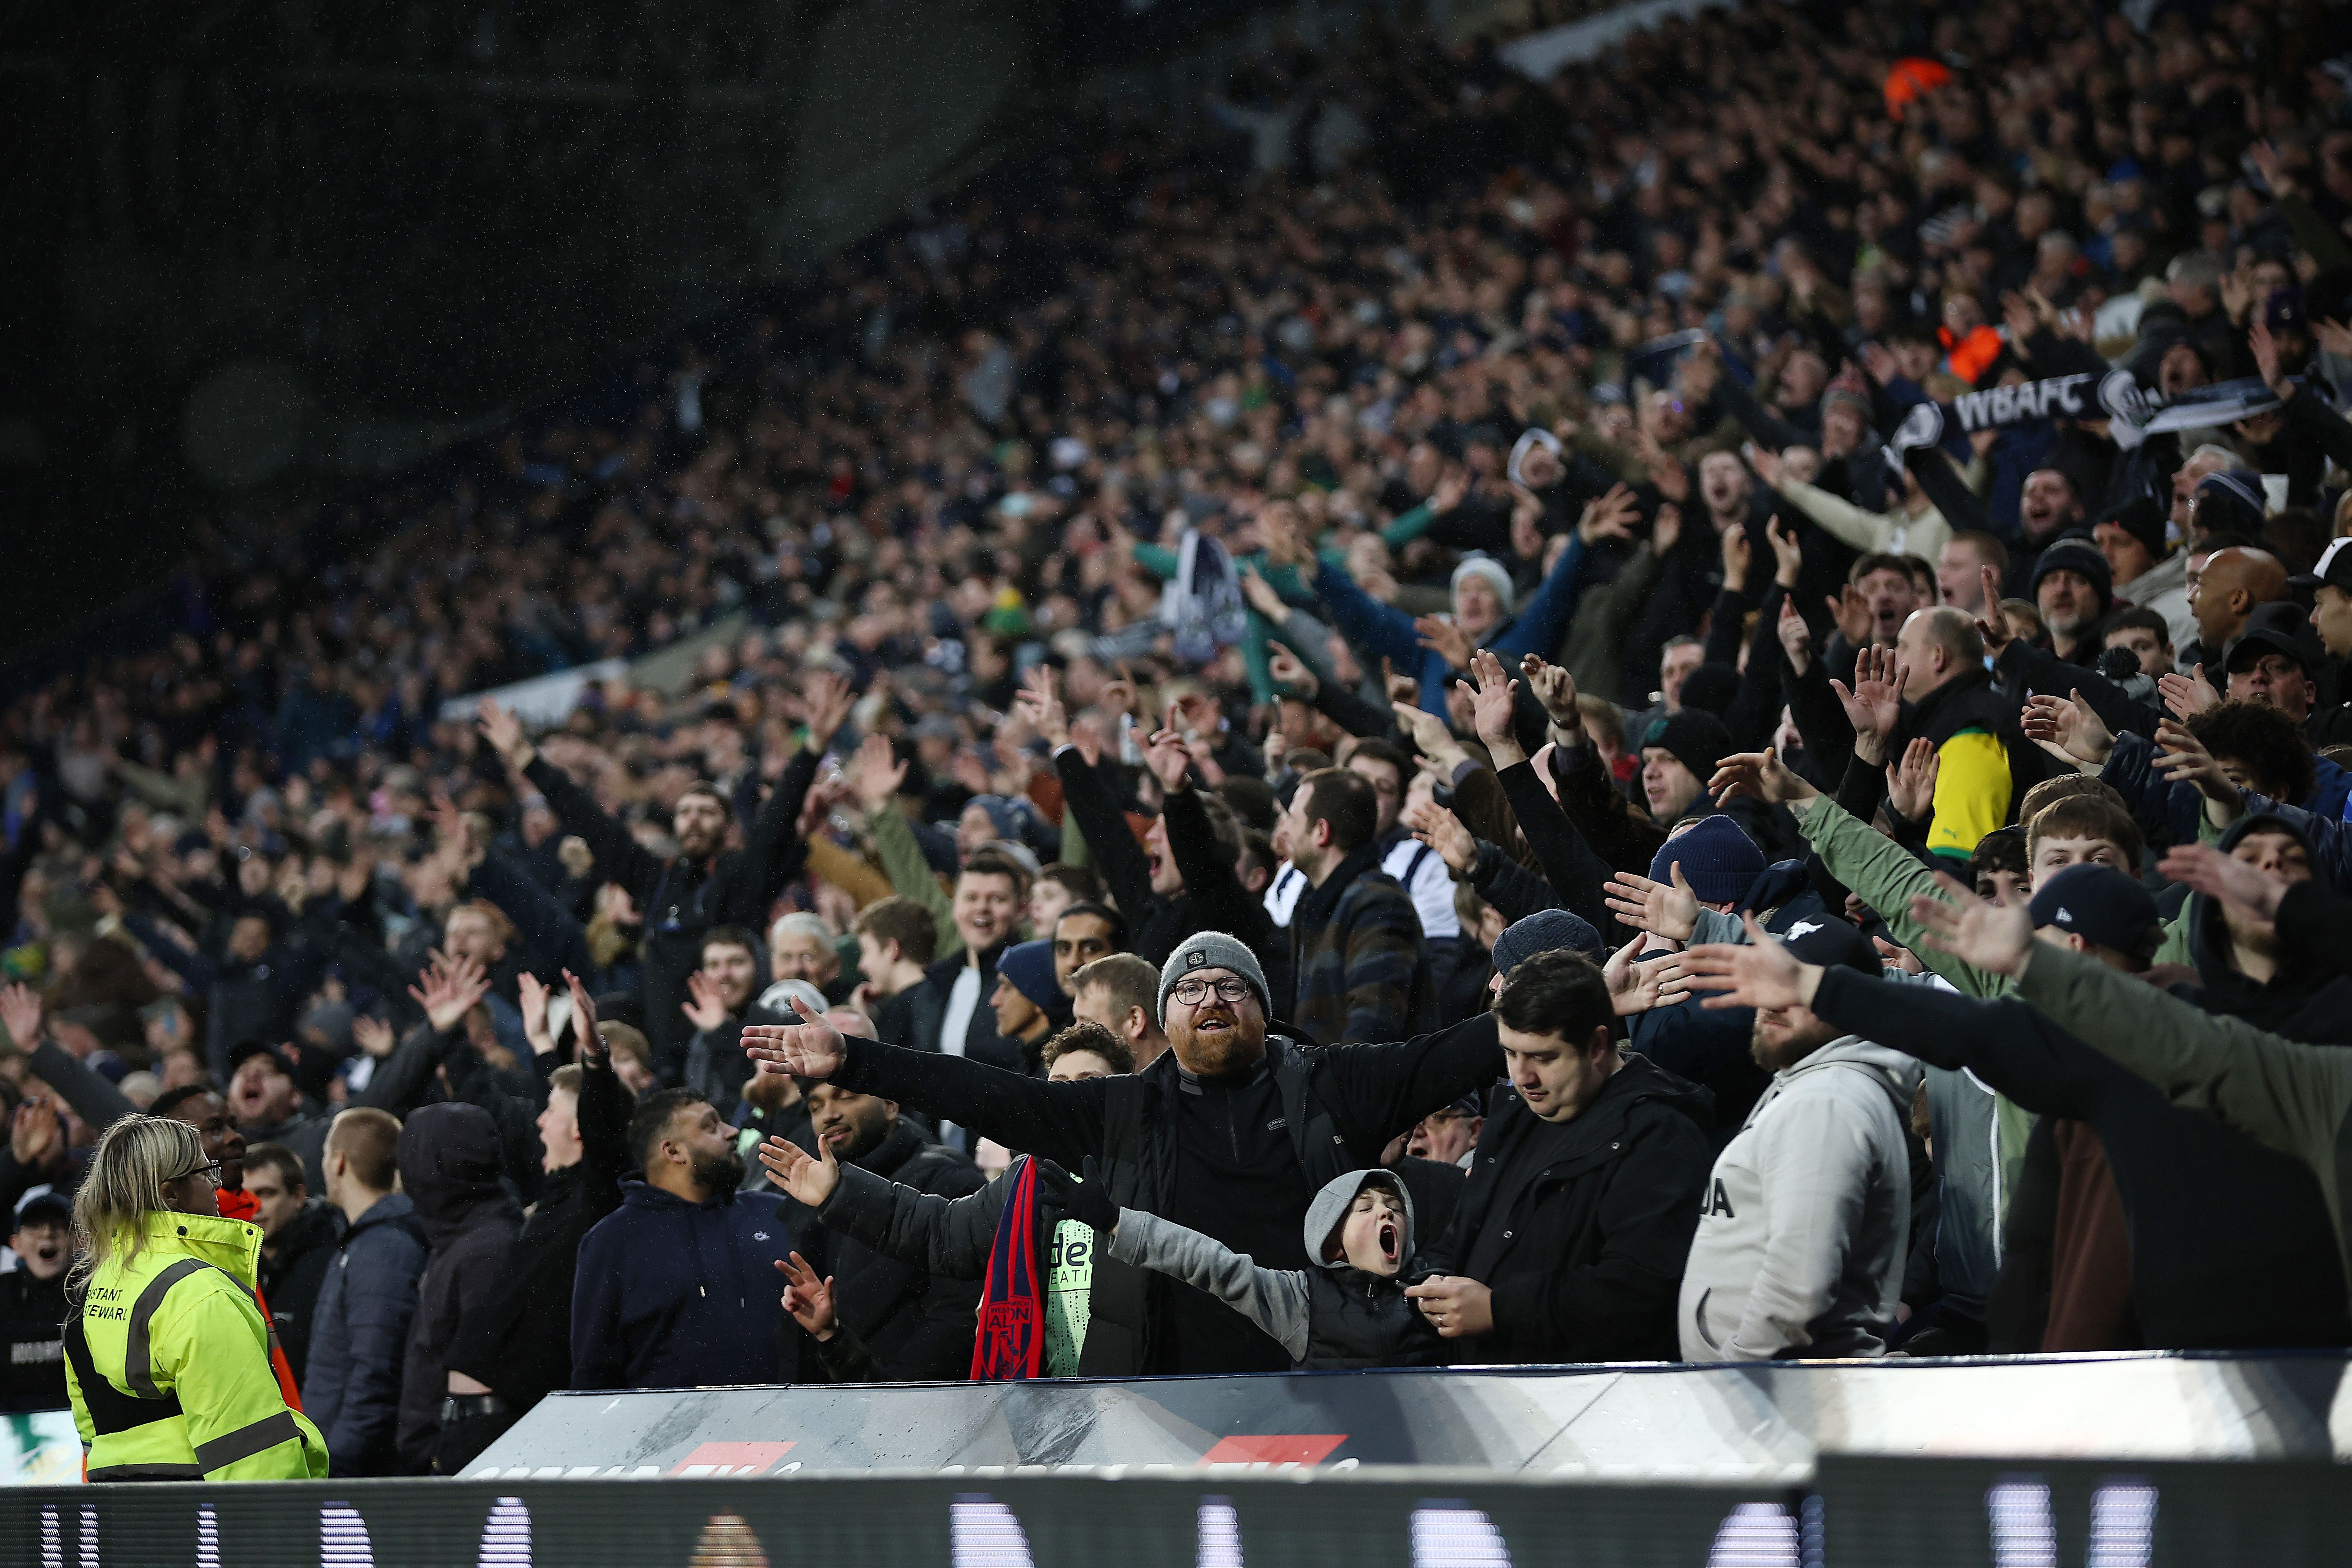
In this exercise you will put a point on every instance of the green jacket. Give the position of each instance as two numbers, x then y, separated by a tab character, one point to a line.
2292	1097
168	1362
910	875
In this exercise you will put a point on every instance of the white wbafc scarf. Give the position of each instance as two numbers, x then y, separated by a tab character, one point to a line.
2132	414
1203	604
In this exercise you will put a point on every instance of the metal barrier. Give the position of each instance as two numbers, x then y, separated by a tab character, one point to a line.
1766	1424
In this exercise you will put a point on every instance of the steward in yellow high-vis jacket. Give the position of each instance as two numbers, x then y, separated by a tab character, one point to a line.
167	1353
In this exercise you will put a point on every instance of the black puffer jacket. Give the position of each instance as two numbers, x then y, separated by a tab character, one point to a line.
1580	1228
914	1325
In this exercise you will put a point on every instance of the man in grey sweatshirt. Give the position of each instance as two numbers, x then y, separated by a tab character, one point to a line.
1806	1218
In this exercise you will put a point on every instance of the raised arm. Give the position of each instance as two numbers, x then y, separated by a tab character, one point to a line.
619	857
2005	1043
949	1237
1062	1121
1380	1090
1273	1299
1886	878
1217	893
2291	1095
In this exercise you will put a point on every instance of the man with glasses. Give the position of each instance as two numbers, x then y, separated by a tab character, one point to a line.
1231	1132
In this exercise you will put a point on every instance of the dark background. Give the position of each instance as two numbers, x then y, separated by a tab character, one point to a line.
252	254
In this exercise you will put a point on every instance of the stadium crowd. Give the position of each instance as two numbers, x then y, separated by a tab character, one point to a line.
1695	712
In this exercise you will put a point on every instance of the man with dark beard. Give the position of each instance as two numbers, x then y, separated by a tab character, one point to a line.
676	1288
1232	1133
909	1323
1806	1219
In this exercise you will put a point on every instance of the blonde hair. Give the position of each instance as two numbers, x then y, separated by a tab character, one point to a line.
135	1160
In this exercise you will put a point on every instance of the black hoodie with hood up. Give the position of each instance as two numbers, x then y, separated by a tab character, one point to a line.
449	1160
2310	996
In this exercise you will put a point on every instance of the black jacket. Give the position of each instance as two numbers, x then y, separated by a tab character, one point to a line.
449	1168
351	1382
927	1012
291	1281
2228	1238
914	1325
682	901
1359	1319
520	1343
1580	1228
32	1315
1248	1186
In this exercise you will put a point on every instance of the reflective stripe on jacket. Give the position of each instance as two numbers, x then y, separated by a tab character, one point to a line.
168	1360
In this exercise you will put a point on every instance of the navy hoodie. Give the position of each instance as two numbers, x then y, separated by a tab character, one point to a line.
671	1294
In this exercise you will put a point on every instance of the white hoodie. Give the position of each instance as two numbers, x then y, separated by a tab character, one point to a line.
1806	1219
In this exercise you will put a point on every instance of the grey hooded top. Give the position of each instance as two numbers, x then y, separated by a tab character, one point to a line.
1278	1300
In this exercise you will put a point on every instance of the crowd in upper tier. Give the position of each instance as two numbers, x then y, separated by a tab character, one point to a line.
1695	710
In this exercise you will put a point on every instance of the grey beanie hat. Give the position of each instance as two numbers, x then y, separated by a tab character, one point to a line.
1213	950
1498	575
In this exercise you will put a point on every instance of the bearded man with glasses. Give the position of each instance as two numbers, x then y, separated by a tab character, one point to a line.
1231	1132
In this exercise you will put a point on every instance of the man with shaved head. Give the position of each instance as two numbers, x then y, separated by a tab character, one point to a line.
1984	762
2224	591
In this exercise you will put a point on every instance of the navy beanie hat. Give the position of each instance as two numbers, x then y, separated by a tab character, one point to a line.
1546	931
1028	967
1719	859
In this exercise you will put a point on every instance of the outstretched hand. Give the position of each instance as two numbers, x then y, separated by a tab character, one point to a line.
503	731
2071	726
1637	984
1996	938
806	1178
2187	695
1758	972
2205	870
20	1013
1762	774
808	1299
811	1049
1491	708
1668	910
1290	672
825	707
1874	706
588	1045
451	988
1442	831
1911	782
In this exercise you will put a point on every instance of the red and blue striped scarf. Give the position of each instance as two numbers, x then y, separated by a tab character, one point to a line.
1010	1342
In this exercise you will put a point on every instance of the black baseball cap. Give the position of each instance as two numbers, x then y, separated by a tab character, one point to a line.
2333	569
239	1053
48	1205
2277	627
2098	903
1828	941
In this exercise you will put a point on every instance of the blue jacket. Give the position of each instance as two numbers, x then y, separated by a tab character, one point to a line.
1380	630
670	1294
351	1387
